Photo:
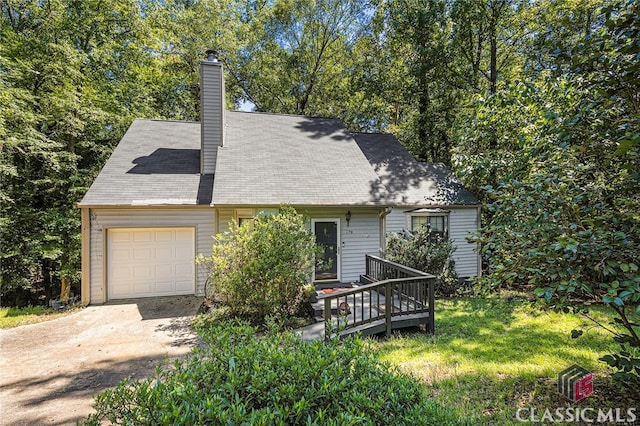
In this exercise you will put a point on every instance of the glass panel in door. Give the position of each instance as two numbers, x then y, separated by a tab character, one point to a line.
327	237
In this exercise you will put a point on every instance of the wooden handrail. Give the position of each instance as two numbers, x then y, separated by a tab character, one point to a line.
406	298
372	286
398	266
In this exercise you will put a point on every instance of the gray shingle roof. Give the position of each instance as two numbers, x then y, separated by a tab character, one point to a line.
407	181
272	159
155	163
268	159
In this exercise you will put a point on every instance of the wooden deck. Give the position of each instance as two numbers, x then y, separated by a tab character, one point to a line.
365	309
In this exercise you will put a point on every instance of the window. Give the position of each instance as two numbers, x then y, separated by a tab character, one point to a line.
248	215
244	216
243	220
436	219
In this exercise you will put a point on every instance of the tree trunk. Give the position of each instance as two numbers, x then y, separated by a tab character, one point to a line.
493	65
65	290
423	104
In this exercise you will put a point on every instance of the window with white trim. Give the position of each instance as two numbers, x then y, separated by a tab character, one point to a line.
436	219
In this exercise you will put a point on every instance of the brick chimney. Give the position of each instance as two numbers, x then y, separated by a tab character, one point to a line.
212	106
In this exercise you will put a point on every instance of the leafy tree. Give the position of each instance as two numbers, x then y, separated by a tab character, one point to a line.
563	216
262	267
66	75
297	58
416	39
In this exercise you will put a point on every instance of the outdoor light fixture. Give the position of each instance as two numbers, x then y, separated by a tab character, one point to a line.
348	217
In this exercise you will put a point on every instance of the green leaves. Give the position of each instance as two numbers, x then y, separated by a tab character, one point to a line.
276	379
68	90
426	251
561	183
261	268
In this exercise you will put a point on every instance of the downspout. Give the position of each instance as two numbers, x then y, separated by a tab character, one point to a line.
383	229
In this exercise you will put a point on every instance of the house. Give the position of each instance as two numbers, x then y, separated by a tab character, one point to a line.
169	186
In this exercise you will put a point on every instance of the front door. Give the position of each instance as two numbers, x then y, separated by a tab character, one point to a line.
326	232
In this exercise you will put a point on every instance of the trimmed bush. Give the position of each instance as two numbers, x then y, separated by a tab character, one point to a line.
274	379
426	251
262	267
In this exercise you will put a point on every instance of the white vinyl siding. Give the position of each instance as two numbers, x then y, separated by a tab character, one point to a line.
462	221
201	219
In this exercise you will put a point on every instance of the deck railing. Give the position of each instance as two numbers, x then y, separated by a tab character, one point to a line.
399	296
378	269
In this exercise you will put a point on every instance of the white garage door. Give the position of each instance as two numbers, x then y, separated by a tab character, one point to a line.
145	262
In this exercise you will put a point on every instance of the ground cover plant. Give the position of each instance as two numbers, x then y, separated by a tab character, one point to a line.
491	356
273	379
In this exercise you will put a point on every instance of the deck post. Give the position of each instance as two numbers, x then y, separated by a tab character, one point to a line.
327	317
388	306
432	301
367	268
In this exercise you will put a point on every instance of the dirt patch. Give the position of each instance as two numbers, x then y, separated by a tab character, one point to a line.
50	371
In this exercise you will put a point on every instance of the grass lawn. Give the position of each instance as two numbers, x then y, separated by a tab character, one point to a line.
13	317
491	356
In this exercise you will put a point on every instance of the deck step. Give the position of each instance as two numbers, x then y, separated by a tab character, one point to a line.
364	279
317	330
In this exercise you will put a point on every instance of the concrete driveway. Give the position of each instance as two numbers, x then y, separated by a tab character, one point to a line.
50	371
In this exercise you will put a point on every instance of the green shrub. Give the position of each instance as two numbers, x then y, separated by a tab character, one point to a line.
262	267
426	251
273	379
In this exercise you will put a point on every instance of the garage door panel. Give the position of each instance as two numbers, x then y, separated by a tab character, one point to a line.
142	236
165	235
166	287
143	272
164	253
183	287
163	271
121	254
120	237
122	274
142	253
182	269
150	262
142	287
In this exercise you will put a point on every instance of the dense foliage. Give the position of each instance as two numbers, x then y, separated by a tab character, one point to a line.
273	379
564	205
426	251
66	95
262	267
